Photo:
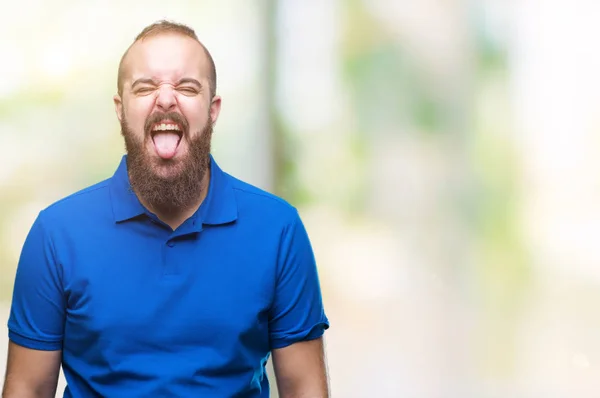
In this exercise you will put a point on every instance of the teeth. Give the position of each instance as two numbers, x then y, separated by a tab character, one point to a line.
165	127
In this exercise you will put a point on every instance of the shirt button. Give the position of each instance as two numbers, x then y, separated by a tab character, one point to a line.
170	243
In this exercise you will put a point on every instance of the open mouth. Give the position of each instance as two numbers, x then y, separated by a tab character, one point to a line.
166	136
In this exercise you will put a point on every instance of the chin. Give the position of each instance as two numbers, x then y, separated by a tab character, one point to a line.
167	169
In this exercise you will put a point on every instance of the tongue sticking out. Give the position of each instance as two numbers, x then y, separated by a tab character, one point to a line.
166	144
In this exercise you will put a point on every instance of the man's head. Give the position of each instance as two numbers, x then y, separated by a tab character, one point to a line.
167	106
165	27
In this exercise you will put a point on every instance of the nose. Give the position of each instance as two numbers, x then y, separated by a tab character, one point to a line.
165	100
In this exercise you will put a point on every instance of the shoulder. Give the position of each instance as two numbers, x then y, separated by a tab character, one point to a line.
76	206
251	198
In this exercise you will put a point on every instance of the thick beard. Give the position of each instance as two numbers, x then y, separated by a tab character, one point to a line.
183	187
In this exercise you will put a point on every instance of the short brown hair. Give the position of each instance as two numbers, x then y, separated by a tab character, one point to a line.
162	27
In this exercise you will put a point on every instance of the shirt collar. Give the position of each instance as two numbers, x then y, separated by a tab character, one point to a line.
125	203
219	206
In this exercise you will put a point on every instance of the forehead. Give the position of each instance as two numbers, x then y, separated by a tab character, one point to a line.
166	57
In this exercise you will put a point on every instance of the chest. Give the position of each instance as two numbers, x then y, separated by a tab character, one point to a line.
157	293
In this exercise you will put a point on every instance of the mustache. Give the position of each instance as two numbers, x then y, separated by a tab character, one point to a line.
160	116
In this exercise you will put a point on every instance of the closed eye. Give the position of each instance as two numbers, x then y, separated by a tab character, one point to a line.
144	90
143	86
188	90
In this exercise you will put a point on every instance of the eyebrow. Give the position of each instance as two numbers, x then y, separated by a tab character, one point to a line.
180	82
143	81
189	80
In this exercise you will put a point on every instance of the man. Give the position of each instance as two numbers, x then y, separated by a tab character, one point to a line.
171	278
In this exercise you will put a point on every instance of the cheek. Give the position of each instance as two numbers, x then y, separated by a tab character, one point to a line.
197	117
136	113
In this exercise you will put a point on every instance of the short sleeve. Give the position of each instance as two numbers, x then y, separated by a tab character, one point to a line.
38	306
297	313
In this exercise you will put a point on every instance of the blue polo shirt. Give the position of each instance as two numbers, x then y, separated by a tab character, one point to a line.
140	310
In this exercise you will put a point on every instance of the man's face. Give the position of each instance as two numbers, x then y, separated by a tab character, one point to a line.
166	112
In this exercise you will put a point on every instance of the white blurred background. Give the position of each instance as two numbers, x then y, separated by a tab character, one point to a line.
444	155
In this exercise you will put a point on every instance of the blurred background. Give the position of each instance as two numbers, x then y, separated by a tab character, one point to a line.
444	156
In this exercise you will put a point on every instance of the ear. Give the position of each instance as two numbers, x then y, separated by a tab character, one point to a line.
215	108
118	106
